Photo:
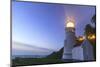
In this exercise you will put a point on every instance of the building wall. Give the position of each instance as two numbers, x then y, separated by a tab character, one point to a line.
83	52
68	45
77	53
88	50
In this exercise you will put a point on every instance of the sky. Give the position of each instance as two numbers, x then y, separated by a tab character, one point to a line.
43	25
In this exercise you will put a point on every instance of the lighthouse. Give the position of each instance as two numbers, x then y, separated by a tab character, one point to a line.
69	41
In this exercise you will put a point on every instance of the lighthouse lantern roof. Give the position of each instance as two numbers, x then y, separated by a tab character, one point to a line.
70	22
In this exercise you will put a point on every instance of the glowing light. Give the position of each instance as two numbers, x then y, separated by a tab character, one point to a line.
81	38
91	37
70	24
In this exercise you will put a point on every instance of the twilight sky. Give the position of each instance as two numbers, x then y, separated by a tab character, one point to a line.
42	25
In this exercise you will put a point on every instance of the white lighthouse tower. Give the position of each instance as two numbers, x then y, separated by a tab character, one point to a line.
69	39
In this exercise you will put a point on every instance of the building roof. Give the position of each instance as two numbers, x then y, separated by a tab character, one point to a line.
82	43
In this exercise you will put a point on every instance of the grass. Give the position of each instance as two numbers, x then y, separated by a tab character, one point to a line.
34	61
55	57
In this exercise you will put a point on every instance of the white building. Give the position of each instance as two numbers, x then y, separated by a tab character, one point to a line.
69	40
81	52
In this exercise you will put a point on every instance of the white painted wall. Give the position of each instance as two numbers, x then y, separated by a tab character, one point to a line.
87	50
77	53
68	44
83	52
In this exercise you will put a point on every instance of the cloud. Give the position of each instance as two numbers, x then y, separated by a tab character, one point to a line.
21	48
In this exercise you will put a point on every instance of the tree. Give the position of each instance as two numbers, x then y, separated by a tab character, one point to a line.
93	20
88	30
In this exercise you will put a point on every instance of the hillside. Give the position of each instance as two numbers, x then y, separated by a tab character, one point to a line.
56	55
